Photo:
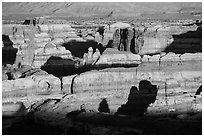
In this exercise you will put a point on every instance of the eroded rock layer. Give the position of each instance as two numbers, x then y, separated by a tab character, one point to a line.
149	71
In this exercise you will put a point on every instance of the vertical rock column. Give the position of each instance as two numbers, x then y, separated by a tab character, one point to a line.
28	54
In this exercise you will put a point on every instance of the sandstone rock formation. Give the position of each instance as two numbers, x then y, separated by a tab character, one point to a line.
114	59
55	28
61	76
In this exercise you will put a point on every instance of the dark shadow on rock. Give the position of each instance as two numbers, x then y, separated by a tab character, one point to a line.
28	71
18	109
199	90
179	46
132	43
102	48
197	22
123	39
8	51
132	46
26	22
101	31
62	67
12	112
28	126
78	48
110	44
103	106
139	100
12	72
128	40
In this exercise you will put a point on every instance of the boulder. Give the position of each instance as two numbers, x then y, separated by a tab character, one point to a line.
89	37
63	53
47	84
118	59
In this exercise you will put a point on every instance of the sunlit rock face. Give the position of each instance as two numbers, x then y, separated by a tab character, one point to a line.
80	79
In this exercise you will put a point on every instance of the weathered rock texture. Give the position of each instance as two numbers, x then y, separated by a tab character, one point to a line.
114	58
153	39
175	87
28	89
33	46
81	81
172	73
